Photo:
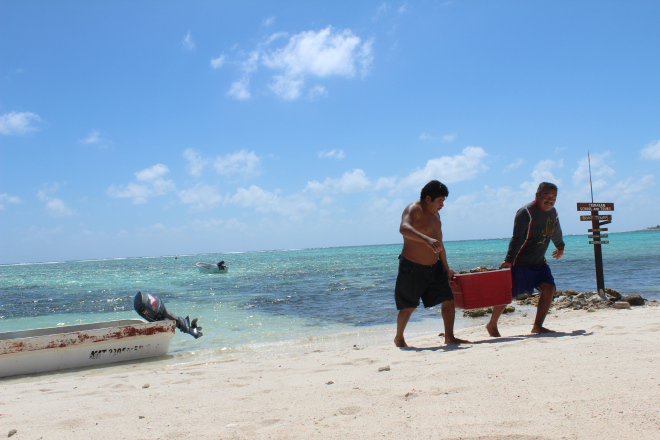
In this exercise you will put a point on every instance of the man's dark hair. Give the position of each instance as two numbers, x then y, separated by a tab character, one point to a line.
546	185
434	189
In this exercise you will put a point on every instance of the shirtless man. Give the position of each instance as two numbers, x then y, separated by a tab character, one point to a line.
423	269
535	225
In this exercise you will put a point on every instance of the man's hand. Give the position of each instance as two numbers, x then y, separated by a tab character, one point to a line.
450	275
506	265
435	245
557	253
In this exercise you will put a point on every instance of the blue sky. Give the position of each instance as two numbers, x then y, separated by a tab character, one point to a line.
167	128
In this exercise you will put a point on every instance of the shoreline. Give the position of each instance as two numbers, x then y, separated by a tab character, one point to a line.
594	378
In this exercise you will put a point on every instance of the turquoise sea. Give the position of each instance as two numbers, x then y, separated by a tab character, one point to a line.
288	298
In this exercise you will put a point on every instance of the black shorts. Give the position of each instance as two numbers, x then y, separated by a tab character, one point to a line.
417	281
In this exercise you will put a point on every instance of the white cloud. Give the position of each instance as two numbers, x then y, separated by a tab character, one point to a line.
92	138
195	163
382	205
332	154
216	63
57	208
599	168
268	21
242	163
321	54
239	89
350	182
188	42
503	199
154	185
6	198
153	173
252	63
501	205
382	11
354	181
425	137
651	151
54	206
543	172
266	202
139	193
18	123
385	183
201	197
626	189
286	87
44	193
448	169
512	166
317	92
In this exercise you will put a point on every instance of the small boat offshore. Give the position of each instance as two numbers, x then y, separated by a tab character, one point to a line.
212	268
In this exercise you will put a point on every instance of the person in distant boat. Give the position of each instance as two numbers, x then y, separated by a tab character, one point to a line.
221	265
534	226
423	270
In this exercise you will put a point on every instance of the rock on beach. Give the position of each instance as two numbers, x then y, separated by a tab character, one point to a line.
568	299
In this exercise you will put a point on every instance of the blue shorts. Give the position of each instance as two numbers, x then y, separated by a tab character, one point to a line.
526	279
417	281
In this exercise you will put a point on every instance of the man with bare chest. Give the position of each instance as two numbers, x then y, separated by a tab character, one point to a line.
423	270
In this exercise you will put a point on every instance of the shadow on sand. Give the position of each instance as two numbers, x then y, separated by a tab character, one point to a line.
449	347
496	340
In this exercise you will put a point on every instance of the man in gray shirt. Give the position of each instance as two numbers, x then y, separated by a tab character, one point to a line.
534	226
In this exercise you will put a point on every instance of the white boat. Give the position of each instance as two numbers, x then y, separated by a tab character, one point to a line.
211	268
84	345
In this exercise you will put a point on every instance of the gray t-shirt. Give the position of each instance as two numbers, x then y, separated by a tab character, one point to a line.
533	229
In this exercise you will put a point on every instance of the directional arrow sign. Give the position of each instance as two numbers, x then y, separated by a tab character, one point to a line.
595	206
598	236
597	230
588	218
599	242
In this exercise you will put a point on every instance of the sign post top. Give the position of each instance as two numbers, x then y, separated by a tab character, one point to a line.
595	206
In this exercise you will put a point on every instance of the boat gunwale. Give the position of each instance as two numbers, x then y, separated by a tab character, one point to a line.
133	328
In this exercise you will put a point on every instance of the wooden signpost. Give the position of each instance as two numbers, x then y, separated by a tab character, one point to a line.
597	236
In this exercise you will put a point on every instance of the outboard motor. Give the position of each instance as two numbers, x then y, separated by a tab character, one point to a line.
152	309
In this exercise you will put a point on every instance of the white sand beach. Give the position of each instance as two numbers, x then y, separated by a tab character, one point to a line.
597	377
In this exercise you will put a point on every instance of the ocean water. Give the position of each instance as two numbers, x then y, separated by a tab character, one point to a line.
289	298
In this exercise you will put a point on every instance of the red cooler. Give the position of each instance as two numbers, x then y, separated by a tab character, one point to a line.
482	289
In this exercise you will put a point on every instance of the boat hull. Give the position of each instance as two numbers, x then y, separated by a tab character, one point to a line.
85	345
210	268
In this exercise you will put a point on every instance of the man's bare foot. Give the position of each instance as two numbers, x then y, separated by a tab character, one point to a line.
492	330
540	329
455	340
400	342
